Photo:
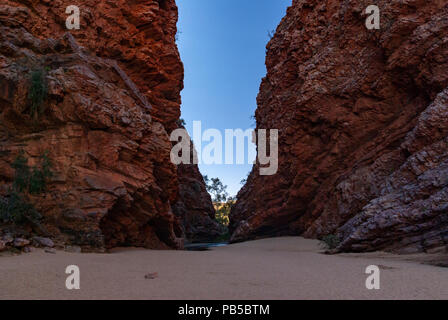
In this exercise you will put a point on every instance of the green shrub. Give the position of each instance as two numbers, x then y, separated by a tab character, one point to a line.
330	241
40	176
31	181
37	93
14	208
22	173
181	123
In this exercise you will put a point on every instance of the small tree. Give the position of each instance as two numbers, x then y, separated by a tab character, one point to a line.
217	189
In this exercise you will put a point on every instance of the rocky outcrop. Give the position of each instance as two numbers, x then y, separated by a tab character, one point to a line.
363	128
195	208
113	98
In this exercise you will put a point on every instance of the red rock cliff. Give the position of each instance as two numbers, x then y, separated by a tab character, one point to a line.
113	99
363	120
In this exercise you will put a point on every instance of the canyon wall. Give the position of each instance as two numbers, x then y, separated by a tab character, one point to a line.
363	128
113	99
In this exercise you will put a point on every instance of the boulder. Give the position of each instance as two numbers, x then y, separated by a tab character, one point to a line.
42	242
20	242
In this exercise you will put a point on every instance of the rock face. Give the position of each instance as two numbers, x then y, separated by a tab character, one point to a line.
195	208
113	99
363	128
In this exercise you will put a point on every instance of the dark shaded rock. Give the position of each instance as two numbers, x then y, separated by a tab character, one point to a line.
113	99
27	249
42	242
195	207
20	242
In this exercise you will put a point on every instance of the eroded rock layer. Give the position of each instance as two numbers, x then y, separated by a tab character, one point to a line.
113	99
363	127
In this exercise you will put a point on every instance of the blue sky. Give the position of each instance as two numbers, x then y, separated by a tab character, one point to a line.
223	46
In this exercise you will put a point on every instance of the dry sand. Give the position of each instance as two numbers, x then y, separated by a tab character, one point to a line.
282	268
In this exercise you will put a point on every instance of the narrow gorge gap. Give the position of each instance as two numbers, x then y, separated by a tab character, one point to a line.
223	48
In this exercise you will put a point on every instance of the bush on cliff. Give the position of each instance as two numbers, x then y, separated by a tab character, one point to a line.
13	207
32	181
181	123
37	93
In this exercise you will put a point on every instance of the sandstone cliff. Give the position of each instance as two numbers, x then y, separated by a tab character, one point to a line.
113	99
195	208
363	127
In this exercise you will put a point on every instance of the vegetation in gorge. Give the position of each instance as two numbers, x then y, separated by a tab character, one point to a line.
14	208
38	92
217	189
31	180
221	200
181	123
223	211
330	242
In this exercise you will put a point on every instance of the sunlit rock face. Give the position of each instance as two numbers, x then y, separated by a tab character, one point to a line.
113	99
363	128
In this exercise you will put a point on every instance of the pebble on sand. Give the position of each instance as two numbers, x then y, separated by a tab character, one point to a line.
151	276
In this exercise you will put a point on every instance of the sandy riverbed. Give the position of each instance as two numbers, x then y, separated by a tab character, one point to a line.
282	268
